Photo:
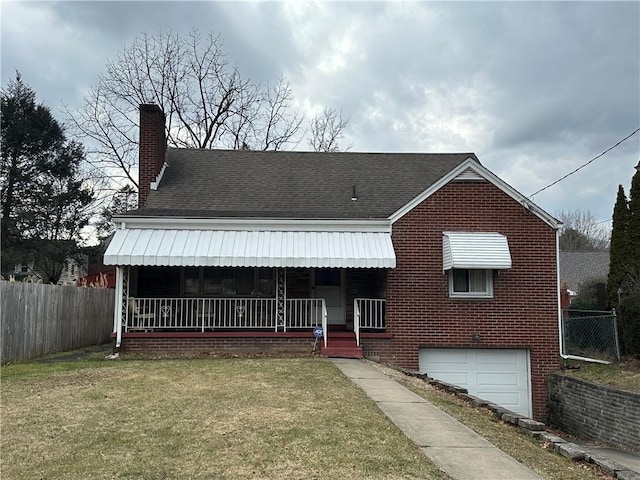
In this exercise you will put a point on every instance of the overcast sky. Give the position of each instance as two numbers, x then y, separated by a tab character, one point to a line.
534	89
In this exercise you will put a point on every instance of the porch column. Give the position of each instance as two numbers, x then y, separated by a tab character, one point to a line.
117	310
281	296
121	310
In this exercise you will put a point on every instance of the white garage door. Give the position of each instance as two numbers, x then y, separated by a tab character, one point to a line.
500	376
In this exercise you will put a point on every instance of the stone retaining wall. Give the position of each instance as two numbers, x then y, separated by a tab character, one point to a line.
594	412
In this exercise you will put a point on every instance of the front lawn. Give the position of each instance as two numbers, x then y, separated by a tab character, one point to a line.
231	418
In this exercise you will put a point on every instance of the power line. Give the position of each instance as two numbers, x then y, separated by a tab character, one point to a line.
585	164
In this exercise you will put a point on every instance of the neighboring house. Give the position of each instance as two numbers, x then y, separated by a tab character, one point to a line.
25	272
418	260
73	270
100	275
580	268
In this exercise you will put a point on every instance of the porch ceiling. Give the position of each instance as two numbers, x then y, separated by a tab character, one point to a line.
231	248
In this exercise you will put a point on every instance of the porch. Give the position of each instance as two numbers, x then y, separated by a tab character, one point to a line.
157	301
272	279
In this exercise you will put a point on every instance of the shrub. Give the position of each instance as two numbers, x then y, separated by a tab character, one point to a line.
629	323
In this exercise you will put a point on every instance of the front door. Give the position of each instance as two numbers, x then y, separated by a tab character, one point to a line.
329	284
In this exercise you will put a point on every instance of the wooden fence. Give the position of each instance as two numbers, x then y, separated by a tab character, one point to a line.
37	320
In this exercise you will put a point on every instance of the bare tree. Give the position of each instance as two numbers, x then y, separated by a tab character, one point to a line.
582	231
207	102
326	130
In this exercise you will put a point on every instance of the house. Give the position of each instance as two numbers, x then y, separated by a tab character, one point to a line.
73	269
579	269
418	260
99	275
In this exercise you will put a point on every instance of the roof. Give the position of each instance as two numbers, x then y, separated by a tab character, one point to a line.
579	267
305	185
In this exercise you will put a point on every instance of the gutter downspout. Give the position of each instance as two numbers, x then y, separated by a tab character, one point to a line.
559	300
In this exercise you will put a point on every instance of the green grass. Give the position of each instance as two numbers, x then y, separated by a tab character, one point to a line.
201	418
224	418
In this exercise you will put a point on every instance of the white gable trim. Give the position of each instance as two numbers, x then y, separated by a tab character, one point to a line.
473	165
470	175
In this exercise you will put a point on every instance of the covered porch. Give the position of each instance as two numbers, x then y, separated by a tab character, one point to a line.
183	300
332	285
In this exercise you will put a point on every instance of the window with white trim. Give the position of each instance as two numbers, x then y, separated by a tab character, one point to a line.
470	283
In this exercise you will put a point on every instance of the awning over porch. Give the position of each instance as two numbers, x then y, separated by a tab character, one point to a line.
230	248
468	250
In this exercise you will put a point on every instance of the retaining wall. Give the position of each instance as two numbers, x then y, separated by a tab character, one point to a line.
594	412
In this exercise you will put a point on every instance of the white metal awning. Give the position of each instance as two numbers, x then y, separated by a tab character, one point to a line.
475	250
230	248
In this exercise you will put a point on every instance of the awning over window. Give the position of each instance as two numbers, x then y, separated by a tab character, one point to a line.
475	251
228	248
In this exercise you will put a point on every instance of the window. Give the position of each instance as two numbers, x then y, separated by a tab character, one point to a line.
191	284
470	283
328	277
161	282
228	282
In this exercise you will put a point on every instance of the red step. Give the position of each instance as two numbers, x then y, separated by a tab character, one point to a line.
342	345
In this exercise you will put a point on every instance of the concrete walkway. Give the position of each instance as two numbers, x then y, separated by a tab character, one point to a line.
453	447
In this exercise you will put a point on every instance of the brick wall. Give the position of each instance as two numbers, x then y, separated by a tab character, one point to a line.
151	149
523	312
159	343
594	412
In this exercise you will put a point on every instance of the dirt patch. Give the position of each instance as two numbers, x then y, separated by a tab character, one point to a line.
94	351
631	364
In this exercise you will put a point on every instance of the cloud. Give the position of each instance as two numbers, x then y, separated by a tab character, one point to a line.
535	89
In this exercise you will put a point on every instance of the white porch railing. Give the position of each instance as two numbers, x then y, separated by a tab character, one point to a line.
368	313
146	314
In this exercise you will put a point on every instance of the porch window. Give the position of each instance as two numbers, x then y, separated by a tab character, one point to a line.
158	282
228	282
470	283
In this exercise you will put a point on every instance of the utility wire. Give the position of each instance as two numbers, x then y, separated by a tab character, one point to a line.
584	165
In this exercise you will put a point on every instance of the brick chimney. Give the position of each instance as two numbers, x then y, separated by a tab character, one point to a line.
152	147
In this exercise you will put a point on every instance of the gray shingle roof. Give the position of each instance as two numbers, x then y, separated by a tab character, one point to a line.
578	268
306	185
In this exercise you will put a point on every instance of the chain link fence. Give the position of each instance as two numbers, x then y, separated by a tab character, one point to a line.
590	335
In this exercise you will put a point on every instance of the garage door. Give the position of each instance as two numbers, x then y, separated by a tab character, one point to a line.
500	376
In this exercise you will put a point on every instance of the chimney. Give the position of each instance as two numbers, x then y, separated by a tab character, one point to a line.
152	147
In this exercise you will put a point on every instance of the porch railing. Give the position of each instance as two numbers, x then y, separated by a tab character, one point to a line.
147	314
368	313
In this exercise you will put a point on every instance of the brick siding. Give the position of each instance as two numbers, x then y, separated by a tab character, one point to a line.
523	312
216	343
594	412
151	149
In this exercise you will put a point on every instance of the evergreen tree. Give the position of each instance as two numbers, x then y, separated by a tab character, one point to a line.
620	249
44	201
634	222
629	305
